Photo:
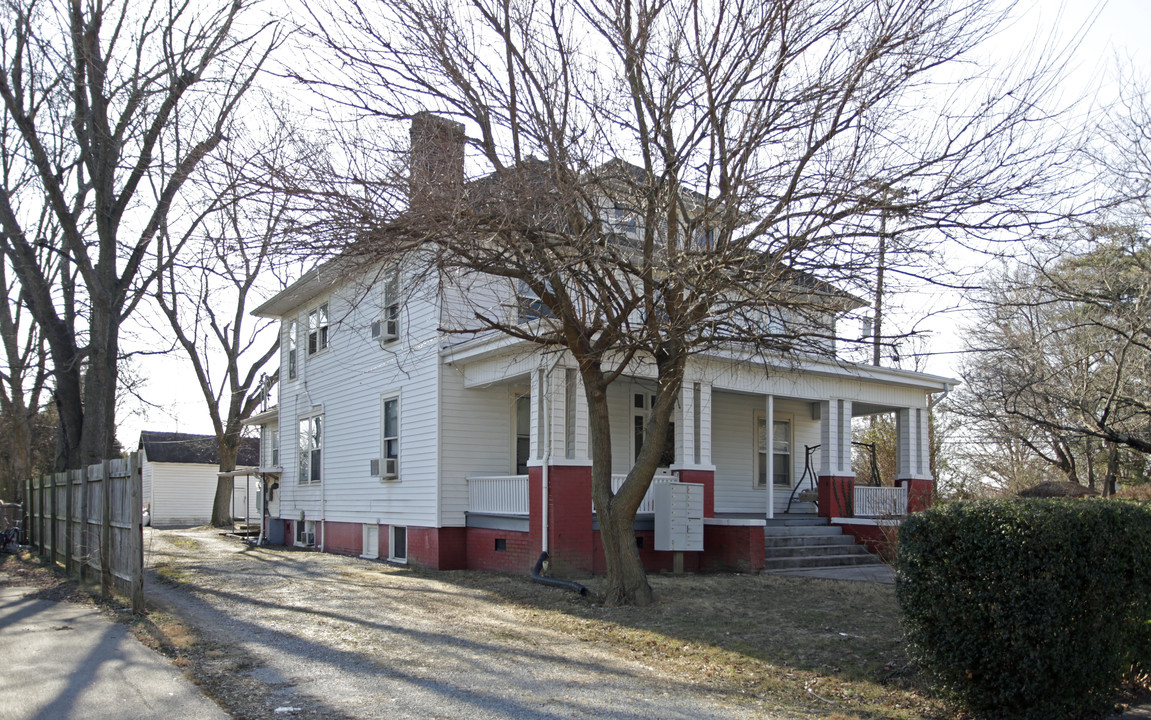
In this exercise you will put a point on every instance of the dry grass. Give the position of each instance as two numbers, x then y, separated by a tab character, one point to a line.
803	645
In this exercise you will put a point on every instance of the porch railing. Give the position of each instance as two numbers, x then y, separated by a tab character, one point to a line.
880	501
498	494
508	494
647	505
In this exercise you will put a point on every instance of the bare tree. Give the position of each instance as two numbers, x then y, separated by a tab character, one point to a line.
1063	355
663	179
111	107
205	297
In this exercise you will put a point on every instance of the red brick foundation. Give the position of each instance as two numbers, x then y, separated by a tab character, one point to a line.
342	538
705	478
836	496
920	493
435	548
517	556
733	548
570	542
878	539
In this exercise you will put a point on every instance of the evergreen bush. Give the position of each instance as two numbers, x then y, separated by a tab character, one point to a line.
1028	608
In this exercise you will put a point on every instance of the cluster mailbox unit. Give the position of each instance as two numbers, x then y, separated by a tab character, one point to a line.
679	517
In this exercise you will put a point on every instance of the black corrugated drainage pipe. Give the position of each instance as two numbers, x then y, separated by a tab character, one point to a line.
553	581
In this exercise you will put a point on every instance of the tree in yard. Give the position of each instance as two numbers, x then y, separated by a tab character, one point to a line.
656	180
22	389
205	298
1063	356
108	109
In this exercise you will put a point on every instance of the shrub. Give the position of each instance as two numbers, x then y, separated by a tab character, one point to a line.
1029	608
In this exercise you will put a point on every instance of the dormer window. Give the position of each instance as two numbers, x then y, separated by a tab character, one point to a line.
531	307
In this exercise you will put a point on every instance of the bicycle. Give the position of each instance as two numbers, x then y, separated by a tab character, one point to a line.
10	532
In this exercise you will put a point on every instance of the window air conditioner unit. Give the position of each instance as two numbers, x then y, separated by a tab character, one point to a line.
390	467
310	538
384	332
374	467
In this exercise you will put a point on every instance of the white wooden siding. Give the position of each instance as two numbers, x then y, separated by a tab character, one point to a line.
733	449
347	381
475	439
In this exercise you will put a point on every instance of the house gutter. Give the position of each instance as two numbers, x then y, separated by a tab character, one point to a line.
939	397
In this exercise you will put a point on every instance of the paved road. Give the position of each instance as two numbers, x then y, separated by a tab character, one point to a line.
67	661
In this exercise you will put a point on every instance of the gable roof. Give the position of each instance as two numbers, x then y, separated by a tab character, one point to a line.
172	447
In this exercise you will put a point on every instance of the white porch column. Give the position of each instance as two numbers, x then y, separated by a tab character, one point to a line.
547	428
693	427
913	451
770	441
835	438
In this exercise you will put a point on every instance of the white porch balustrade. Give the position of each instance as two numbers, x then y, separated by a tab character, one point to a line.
880	501
647	505
498	494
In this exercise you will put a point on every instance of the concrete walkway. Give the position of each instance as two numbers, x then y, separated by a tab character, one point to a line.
68	661
859	573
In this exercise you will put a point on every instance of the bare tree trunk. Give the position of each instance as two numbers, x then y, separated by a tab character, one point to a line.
1112	478
627	581
229	444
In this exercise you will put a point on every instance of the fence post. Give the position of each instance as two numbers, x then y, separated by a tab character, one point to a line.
40	544
69	531
136	533
106	531
85	557
26	511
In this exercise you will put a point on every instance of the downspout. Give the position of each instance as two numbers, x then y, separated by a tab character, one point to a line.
538	567
545	408
569	584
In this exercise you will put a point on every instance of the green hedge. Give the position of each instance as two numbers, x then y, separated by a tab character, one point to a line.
1028	608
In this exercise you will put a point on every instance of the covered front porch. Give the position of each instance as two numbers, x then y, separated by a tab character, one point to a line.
719	438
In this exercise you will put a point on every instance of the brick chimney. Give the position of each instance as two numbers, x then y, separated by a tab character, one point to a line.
437	161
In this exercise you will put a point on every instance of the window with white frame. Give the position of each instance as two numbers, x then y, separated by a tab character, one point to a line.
293	352
311	449
318	329
274	452
642	404
780	448
387	328
390	440
523	433
398	548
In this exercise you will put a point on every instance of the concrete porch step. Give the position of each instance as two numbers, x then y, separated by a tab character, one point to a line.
797	520
801	531
792	563
840	548
779	542
792	543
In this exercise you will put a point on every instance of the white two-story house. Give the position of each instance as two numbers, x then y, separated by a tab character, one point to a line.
393	439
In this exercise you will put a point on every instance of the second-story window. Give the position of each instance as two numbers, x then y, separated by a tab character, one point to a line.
387	328
318	329
293	351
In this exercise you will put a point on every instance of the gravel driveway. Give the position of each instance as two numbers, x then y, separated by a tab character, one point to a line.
296	634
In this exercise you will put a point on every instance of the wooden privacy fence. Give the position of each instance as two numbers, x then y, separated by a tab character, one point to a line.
90	521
